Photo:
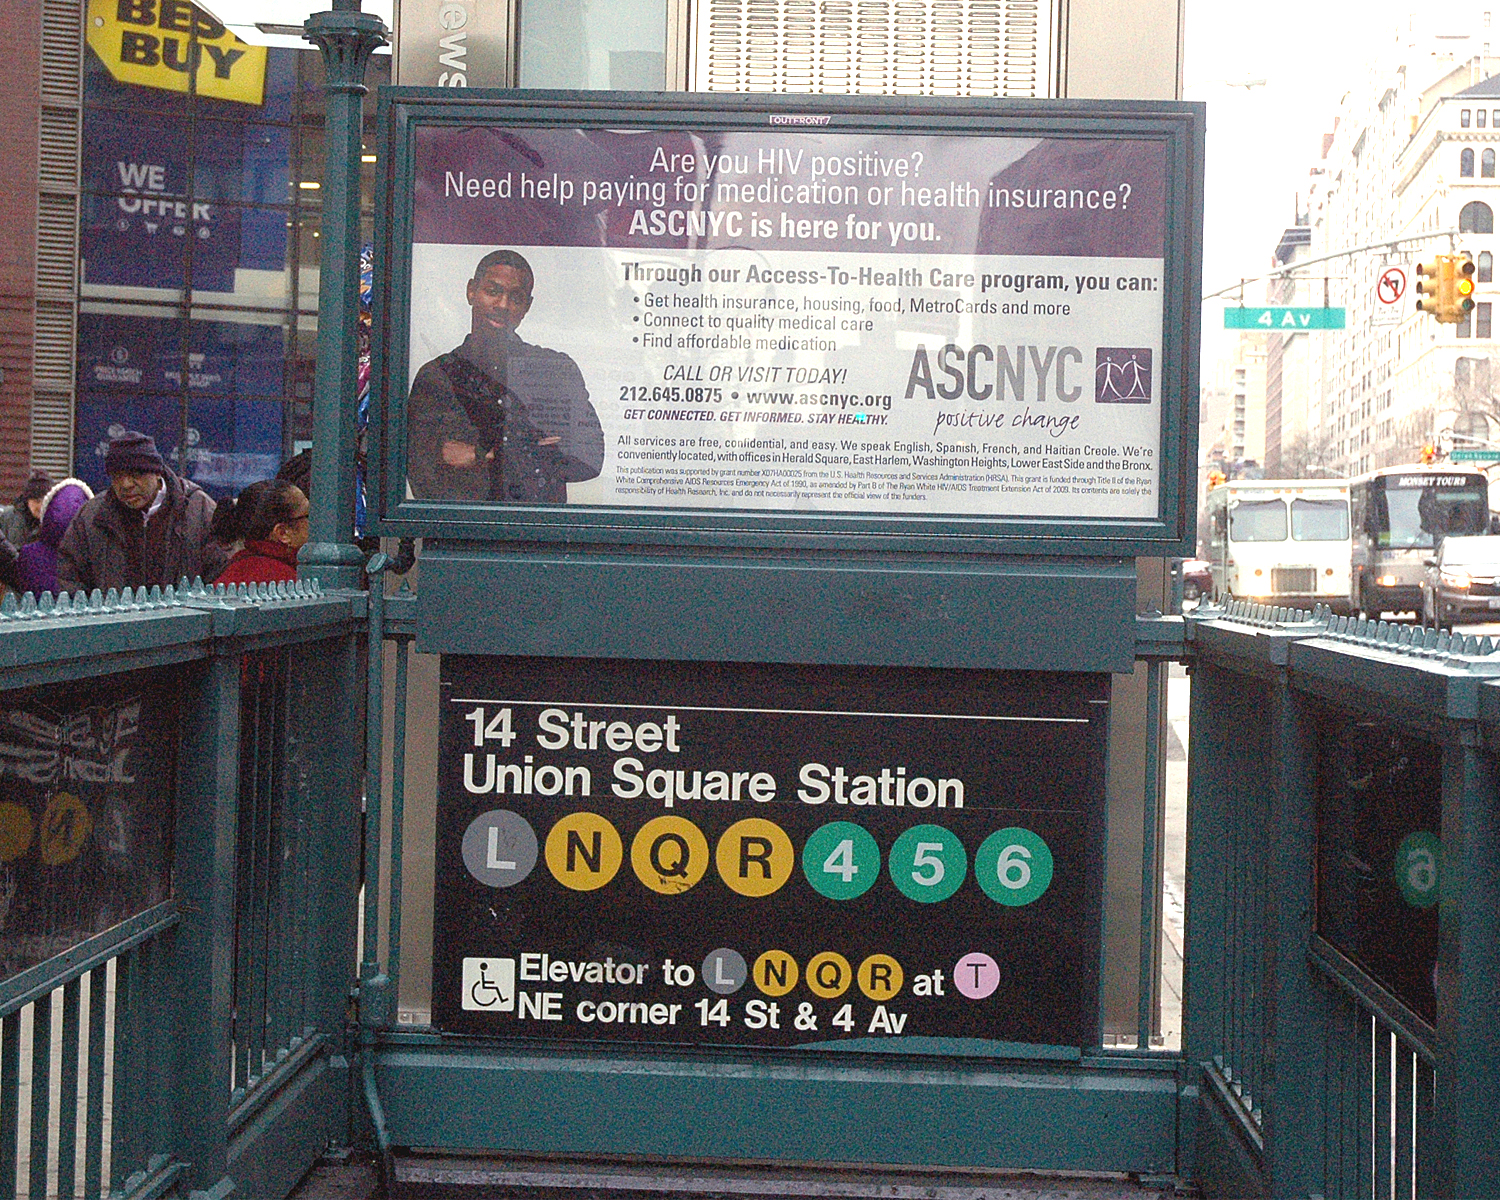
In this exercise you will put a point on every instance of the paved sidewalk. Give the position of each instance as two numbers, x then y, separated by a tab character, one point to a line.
357	1178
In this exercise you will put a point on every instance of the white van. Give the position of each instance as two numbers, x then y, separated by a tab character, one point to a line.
1281	541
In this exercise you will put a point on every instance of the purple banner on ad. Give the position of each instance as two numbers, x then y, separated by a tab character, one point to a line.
775	190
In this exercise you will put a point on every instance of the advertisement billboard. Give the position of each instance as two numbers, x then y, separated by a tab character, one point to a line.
965	318
769	856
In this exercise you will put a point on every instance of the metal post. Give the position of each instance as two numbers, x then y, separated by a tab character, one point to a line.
347	38
1467	1155
203	949
1297	1012
1149	997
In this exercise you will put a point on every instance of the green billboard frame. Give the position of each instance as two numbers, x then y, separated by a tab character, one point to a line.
1178	126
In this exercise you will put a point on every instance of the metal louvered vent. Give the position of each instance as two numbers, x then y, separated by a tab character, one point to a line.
53	382
880	47
62	52
54	343
56	245
53	354
52	432
57	164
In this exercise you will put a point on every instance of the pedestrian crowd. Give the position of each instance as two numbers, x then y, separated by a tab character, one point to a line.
149	527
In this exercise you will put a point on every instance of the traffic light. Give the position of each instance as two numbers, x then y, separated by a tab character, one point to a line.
1463	285
1445	287
1429	286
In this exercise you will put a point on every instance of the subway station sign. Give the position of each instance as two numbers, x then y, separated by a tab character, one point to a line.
176	46
827	316
768	855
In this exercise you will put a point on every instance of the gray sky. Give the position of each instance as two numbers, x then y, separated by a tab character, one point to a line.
1261	141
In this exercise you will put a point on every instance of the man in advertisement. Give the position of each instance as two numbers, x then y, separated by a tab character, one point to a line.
498	419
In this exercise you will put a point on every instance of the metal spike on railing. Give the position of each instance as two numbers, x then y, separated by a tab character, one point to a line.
28	604
45	604
156	595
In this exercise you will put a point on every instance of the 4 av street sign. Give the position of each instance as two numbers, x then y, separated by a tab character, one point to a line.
1284	318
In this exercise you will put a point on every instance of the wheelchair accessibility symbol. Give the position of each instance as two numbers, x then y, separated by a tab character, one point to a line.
489	985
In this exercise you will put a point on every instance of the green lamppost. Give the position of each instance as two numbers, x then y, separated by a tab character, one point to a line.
347	38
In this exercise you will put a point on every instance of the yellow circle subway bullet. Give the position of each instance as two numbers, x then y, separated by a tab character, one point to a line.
755	857
584	851
669	855
66	825
16	830
880	977
775	973
829	975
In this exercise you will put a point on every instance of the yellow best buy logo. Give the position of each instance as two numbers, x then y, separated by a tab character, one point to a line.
172	45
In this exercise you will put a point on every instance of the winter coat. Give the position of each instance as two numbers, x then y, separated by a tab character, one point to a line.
16	525
261	562
506	401
101	548
37	566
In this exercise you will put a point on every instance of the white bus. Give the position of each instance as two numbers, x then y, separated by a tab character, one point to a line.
1401	514
1280	541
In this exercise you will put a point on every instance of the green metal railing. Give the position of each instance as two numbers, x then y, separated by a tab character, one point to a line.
1322	1074
203	1037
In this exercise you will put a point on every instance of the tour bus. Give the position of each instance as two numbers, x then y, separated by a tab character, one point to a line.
1280	541
1400	514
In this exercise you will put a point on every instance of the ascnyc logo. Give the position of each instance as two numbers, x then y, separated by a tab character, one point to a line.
180	54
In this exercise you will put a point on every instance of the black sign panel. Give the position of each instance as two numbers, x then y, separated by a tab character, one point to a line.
768	855
1380	853
86	775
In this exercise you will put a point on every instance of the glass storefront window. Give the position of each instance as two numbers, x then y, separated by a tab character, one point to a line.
618	44
200	249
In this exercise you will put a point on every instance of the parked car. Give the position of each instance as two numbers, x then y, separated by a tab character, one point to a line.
1462	580
1197	578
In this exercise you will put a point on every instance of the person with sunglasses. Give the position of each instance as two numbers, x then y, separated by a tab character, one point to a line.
270	519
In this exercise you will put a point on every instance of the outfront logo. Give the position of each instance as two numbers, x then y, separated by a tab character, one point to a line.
1122	375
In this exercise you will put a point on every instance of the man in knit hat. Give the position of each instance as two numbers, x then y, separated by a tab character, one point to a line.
149	527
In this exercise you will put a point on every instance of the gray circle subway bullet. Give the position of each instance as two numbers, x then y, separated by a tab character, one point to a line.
499	848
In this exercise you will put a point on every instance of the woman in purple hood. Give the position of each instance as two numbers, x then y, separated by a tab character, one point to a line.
37	565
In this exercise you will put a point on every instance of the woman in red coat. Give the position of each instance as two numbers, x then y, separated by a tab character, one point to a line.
270	517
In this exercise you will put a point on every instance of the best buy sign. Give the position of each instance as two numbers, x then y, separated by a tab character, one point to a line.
171	44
